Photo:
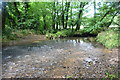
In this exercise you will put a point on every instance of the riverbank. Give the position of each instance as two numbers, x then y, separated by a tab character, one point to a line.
24	40
109	38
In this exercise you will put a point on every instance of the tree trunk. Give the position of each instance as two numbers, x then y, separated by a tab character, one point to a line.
71	23
67	10
63	14
112	19
26	4
25	17
16	9
3	15
107	12
53	17
11	21
57	20
82	4
18	15
9	18
104	15
44	20
94	12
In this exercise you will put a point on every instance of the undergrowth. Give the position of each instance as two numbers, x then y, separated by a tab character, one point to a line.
60	34
109	38
16	34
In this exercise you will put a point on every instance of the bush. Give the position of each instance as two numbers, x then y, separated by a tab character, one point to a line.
59	34
89	30
16	34
109	38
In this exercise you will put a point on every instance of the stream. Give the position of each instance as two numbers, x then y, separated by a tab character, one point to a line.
61	58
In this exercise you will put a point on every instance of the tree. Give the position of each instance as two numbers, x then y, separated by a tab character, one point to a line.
78	23
53	17
94	12
50	16
63	15
57	17
3	15
67	11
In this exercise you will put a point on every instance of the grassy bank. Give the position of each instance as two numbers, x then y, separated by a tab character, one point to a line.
72	33
60	34
109	38
16	35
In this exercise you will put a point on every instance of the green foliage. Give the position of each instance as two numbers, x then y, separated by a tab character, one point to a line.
59	34
80	32
109	38
110	76
49	35
89	30
69	76
7	31
23	18
16	34
96	30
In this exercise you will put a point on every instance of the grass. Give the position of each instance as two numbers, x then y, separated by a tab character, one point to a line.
60	34
109	38
111	76
16	35
71	33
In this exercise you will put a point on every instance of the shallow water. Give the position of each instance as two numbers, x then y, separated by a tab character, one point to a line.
76	57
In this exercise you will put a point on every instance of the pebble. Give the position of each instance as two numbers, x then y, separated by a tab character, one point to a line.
8	57
46	59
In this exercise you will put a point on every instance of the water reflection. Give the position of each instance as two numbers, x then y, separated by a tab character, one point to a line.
17	51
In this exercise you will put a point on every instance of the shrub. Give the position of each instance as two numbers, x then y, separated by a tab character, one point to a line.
16	34
109	38
59	34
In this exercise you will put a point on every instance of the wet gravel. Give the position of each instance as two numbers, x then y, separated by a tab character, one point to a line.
59	59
